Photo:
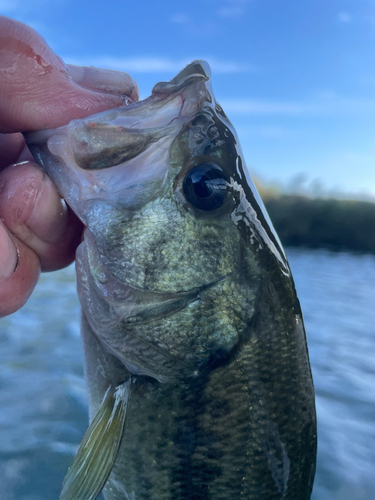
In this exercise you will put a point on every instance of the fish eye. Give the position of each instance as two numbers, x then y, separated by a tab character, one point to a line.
205	186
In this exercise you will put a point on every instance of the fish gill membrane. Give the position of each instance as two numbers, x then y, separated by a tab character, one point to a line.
195	350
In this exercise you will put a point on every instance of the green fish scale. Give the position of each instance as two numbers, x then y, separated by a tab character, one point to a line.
208	440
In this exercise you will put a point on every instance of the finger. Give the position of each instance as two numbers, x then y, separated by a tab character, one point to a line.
38	90
20	270
33	211
8	254
11	146
104	80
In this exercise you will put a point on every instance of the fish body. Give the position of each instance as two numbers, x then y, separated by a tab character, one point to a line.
187	299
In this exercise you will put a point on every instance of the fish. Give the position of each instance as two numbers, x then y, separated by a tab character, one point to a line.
196	358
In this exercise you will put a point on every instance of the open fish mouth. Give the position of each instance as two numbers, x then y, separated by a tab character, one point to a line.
101	157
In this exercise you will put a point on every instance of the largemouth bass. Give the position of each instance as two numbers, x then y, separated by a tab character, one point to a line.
195	350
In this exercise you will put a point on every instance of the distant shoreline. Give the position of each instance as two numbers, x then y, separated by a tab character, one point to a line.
323	222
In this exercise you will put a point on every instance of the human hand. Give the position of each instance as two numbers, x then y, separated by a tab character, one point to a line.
37	229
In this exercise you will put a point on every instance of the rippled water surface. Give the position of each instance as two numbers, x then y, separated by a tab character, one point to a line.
43	407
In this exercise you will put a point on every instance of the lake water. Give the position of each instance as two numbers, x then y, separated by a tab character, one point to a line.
43	408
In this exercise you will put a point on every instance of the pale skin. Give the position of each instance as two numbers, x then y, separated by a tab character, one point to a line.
38	232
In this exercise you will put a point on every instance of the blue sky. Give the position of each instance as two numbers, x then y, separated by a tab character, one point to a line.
296	78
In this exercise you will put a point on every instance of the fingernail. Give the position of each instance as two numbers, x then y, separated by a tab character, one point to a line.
8	254
104	80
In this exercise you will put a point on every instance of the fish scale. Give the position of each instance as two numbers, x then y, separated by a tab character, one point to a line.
195	351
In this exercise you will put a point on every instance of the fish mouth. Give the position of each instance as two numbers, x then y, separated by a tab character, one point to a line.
103	157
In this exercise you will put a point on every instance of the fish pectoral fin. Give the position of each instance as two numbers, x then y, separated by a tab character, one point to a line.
97	452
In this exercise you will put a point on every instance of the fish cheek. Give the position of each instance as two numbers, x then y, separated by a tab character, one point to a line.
189	253
210	256
163	248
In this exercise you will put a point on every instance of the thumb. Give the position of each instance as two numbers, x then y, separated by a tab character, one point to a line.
39	91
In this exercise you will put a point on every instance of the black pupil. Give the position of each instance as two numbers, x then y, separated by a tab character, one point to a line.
205	186
202	186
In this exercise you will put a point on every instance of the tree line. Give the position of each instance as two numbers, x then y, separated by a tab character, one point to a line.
323	222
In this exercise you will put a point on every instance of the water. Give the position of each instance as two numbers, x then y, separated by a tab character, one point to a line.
337	293
42	392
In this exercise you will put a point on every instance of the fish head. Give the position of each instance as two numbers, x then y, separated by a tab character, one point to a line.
177	240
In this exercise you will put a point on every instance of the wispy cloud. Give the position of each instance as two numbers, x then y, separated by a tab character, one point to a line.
232	8
180	18
231	11
159	64
201	26
253	106
325	104
344	17
225	9
265	131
